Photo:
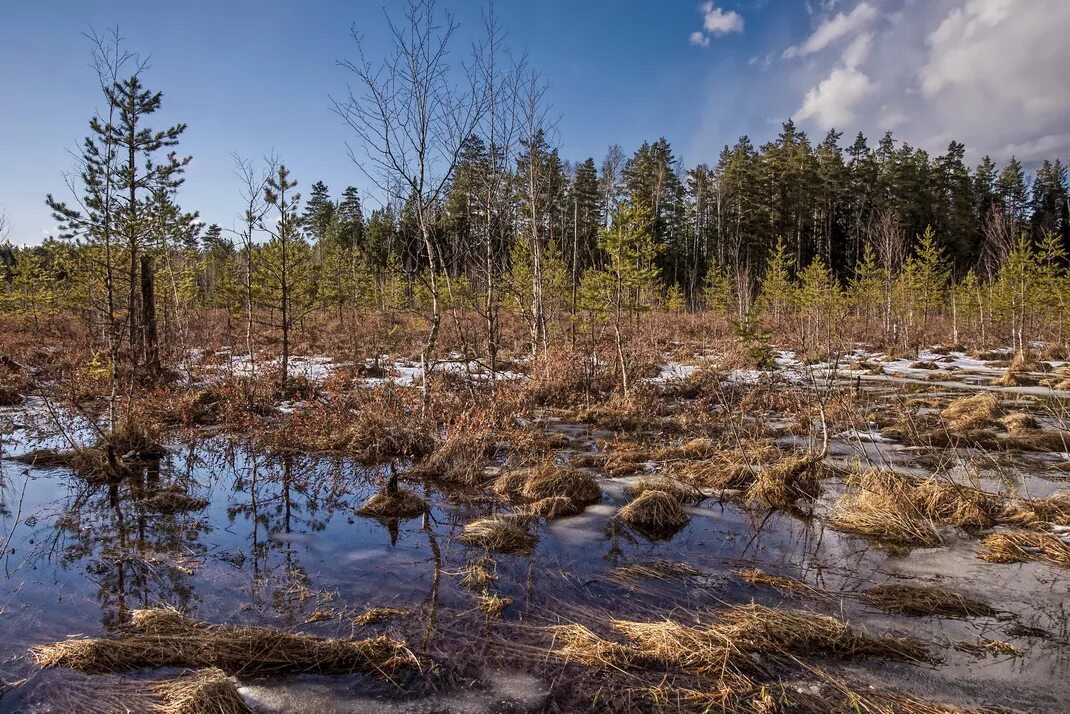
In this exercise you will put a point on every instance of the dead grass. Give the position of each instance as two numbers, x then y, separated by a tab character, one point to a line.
1031	513
373	615
971	413
925	600
551	508
1020	546
399	503
478	574
166	638
794	478
684	493
720	475
551	480
206	691
493	604
883	517
500	533
1019	422
655	514
783	583
463	453
656	570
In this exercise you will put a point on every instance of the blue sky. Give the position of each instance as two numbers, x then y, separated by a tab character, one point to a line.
252	77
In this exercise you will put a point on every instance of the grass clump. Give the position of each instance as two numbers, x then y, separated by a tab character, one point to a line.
392	501
551	508
493	604
1031	513
683	492
971	413
884	516
550	480
500	533
655	514
791	479
206	691
166	638
478	574
925	600
1020	546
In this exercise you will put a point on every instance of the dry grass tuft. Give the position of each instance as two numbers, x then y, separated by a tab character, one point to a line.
551	508
791	479
1019	422
1031	513
206	691
655	514
493	604
373	615
884	517
954	504
783	583
970	413
683	492
501	533
656	570
165	638
550	480
924	600
401	503
1020	546
478	573
579	644
509	484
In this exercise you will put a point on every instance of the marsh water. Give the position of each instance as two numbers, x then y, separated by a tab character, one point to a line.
279	544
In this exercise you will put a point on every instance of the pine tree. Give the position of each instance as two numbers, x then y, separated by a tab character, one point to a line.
777	294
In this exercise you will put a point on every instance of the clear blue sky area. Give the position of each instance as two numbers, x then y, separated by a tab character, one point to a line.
255	77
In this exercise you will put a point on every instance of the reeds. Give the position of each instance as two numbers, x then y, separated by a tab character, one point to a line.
782	583
791	479
373	615
551	508
501	533
656	570
165	638
1019	546
883	517
551	480
925	600
206	691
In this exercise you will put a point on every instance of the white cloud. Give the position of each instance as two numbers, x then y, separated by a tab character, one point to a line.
834	28
715	21
990	73
833	101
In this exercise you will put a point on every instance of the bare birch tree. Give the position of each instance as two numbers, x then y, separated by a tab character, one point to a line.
411	113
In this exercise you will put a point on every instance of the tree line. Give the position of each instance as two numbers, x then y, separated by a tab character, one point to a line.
478	210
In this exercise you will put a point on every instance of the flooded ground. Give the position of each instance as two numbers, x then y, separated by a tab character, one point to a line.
276	541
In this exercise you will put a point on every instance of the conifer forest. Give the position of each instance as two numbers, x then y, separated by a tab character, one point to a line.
494	427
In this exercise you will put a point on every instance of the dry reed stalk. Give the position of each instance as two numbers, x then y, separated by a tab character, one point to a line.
884	517
1031	513
720	475
579	644
206	691
923	600
501	533
789	480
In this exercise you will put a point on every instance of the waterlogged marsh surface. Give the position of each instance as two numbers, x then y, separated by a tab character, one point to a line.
278	543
